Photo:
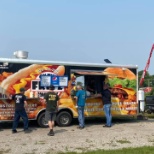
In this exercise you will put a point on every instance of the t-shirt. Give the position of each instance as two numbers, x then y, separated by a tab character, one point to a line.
106	96
81	95
19	101
51	99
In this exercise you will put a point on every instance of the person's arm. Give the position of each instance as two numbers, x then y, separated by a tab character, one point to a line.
11	97
98	95
25	104
90	89
76	97
57	102
45	98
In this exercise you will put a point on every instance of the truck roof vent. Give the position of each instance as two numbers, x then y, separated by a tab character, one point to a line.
21	54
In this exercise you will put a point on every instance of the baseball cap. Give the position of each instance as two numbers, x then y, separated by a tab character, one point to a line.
52	87
22	89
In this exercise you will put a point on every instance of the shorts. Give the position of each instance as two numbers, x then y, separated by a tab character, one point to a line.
50	116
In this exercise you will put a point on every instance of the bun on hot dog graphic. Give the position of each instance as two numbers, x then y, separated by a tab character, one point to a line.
23	77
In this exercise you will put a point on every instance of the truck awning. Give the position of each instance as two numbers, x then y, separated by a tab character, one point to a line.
91	72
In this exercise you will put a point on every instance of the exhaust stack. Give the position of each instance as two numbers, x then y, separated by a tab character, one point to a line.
21	54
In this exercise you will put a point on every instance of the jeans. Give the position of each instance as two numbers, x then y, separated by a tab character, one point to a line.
107	110
17	115
81	116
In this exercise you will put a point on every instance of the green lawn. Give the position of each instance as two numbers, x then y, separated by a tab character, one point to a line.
141	150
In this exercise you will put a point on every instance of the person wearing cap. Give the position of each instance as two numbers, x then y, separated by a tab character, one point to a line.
106	98
80	99
20	104
51	99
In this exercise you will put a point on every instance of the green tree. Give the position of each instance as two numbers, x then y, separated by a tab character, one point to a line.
148	81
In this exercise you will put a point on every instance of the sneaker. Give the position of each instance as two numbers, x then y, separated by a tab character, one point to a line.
51	133
14	131
79	127
106	126
27	130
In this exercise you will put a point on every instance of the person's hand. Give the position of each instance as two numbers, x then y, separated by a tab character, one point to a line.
25	104
9	96
57	109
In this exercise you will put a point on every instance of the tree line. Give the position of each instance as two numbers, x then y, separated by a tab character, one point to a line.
148	81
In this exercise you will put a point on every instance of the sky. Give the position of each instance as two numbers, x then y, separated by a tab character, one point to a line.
79	30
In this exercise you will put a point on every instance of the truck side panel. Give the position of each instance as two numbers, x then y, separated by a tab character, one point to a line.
14	76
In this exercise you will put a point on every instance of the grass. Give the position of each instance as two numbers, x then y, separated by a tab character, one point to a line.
151	116
140	150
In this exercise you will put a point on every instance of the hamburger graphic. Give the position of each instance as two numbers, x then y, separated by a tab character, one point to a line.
123	90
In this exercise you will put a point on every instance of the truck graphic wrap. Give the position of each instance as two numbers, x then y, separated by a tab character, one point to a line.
29	78
122	81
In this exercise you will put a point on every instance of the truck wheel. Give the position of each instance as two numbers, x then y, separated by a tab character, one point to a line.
41	120
64	118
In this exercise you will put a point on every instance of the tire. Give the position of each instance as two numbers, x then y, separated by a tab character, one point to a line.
64	118
41	120
148	110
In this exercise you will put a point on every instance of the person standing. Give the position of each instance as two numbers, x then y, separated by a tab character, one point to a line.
80	99
20	104
51	99
106	97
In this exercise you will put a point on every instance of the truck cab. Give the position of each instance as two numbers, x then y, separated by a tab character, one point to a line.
149	104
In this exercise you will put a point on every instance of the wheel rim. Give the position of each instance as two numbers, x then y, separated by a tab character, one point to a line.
64	119
44	122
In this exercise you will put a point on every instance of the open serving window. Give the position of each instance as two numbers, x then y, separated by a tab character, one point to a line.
91	80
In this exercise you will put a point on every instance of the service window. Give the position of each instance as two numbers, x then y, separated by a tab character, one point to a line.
80	80
91	80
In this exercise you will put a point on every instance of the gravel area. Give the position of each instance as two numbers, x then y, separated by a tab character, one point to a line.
129	133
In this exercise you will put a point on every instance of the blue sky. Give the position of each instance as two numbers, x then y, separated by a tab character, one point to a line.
79	30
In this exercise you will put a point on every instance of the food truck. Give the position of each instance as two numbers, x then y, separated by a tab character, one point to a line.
36	76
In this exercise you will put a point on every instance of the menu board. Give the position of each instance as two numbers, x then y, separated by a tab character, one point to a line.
45	80
48	80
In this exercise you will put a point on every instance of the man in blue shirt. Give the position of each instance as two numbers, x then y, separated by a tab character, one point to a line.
80	98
